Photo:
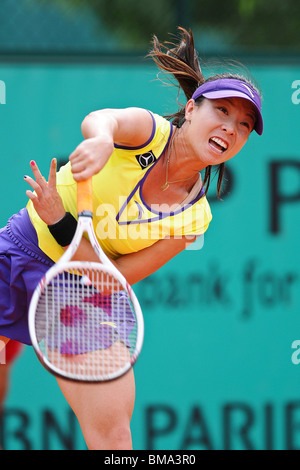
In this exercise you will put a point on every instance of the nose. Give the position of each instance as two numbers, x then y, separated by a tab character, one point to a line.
229	127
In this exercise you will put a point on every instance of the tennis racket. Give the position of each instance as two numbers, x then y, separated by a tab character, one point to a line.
85	321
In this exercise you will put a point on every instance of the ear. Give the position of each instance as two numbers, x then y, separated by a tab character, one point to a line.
189	108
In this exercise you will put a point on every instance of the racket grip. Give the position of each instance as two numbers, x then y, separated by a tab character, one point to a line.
85	196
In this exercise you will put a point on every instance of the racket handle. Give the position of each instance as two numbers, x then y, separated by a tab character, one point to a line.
85	196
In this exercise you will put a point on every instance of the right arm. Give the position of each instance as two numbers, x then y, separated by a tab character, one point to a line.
130	127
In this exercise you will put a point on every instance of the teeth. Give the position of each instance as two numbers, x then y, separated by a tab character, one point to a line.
220	142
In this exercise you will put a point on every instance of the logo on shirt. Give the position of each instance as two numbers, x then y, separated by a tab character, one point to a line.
146	159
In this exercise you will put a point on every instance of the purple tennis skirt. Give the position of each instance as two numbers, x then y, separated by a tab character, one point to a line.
22	266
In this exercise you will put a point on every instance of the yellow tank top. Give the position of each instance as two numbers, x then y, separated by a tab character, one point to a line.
123	222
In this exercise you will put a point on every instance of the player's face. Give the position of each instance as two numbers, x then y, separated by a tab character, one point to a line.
219	128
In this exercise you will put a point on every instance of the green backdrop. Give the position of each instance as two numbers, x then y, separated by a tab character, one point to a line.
219	368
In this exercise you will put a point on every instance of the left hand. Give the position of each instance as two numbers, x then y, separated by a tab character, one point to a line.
46	199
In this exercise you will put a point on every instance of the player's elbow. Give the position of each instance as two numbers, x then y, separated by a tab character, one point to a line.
98	118
85	125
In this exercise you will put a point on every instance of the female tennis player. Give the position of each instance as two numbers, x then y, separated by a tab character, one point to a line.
150	205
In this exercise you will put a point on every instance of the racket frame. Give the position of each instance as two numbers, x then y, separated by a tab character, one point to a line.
85	225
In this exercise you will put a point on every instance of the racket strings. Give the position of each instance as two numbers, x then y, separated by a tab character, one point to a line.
86	324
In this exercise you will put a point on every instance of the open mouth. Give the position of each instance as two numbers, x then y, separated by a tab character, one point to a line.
218	144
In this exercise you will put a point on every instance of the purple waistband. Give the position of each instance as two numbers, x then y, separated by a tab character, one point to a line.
23	234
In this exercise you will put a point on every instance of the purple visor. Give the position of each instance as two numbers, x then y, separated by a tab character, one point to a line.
230	87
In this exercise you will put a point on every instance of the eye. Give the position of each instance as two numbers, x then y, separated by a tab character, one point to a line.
249	126
223	110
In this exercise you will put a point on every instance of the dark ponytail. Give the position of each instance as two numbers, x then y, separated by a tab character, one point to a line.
180	62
